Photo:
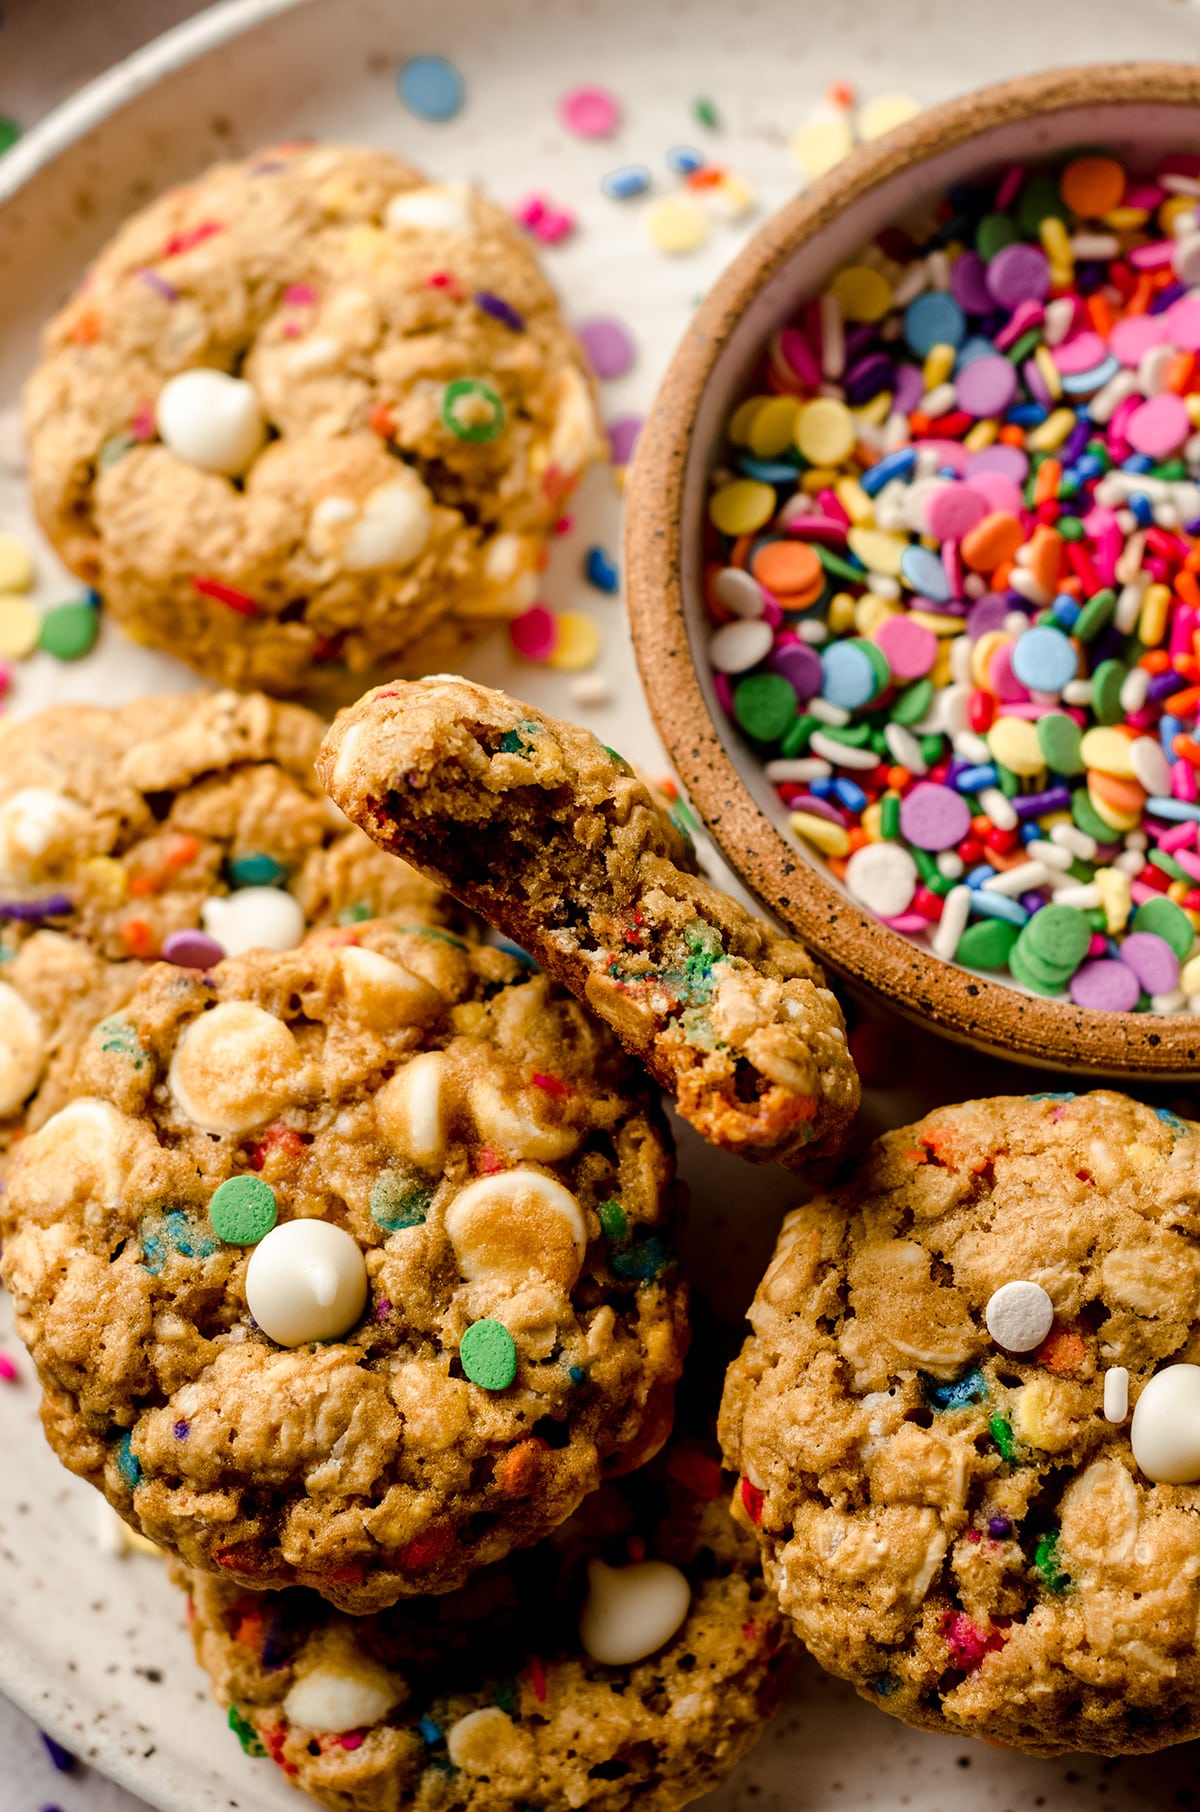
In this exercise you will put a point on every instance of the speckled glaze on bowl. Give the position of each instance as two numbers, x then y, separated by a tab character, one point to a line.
1139	110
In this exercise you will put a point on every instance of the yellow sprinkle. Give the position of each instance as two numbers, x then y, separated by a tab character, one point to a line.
1118	821
988	645
940	674
676	225
870	613
817	147
1055	241
854	500
878	551
1144	1157
1013	742
106	878
20	627
1115	898
1191	403
140	1544
1108	751
981	435
578	642
1152	623
1049	371
16	564
865	294
876	412
884	113
741	507
840	615
818	478
872	823
1051	433
1189	975
741	422
1170	210
370	246
733	198
829	838
825	431
929	619
1178	891
773	426
1125	219
939	363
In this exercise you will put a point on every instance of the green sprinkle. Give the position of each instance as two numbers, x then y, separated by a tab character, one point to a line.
931	748
1096	615
1001	1432
913	705
256	869
1047	1563
613	1219
128	1464
472	410
398	1201
355	915
1168	921
1059	737
705	112
1039	200
987	944
118	1036
765	705
1035	975
1107	681
1059	935
432	931
1010	783
851	736
513	744
1168	865
833	563
615	755
10	132
245	1733
993	233
1069	527
1088	818
114	450
1020	349
242	1210
798	736
927	867
889	817
489	1355
69	631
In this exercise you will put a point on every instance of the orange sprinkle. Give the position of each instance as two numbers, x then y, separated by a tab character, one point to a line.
517	1472
1181	373
1121	795
138	938
740	551
1064	1351
1011	437
87	328
915	1157
898	779
1188	588
785	567
840	94
992	542
186	850
1045	485
1100	314
382	421
1187	749
1183	704
143	886
1143	295
1155	660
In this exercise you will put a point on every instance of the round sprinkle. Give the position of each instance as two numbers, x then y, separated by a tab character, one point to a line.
192	950
1019	1316
934	319
909	648
577	643
431	87
489	1355
534	633
1152	960
608	344
884	113
242	1210
882	877
1168	921
987	944
1105	986
1044	660
20	627
865	294
986	386
933	817
764	705
69	631
623	433
676	224
848	676
741	507
472	410
1059	935
1092	185
589	112
821	145
16	564
1159	426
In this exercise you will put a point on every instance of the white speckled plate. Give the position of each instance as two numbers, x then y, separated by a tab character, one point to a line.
92	1646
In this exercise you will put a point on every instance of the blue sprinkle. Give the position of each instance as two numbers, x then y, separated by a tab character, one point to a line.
576	1374
892	465
997	906
1027	415
643	1261
934	319
509	949
256	870
625	183
885	1686
682	160
768	471
430	1732
1082	383
1180	811
1030	833
921	568
975	877
1053	1095
973	780
500	310
823	789
970	350
601	571
849	794
431	87
1169	728
1066	611
128	1464
1141	509
62	1759
1137	462
969	1387
1172	1120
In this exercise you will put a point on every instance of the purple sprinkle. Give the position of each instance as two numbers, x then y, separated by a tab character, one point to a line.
62	1758
192	950
1010	462
1075	442
383	1309
181	1430
1161	686
818	808
32	912
998	1527
986	613
1018	273
1105	986
910	388
1152	960
608	345
623	433
868	377
1032	805
500	310
800	665
1032	902
155	280
968	284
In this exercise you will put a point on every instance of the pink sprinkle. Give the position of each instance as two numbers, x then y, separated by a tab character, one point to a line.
832	506
383	1309
908	923
8	1370
973	1535
724	692
1141	891
589	112
1024	316
5	677
772	614
1180	836
534	633
1183	781
1010	182
1098	945
564	525
1182	625
300	294
1151	257
527	213
142	425
967	1641
353	1739
555	225
798	354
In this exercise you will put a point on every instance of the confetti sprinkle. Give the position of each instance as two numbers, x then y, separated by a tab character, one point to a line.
590	112
69	631
431	87
608	345
20	627
601	571
577	643
677	225
622	433
534	633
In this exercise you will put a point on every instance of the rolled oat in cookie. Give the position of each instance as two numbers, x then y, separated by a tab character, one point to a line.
349	1265
931	1422
554	839
497	1697
303	411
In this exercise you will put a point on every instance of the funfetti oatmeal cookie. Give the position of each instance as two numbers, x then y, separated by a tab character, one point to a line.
350	1265
556	840
932	1422
304	408
631	1659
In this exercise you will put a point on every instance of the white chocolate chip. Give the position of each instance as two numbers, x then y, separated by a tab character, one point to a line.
409	1109
36	826
335	1699
439	207
515	1224
234	1068
392	528
22	1049
376	985
211	420
575	435
1165	1431
1116	1393
307	1280
508	1118
488	1742
1019	1316
332	510
254	918
630	1612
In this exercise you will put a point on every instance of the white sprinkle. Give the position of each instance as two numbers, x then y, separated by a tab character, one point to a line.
1084	897
895	435
1175	1002
972	748
938	401
960	659
950	865
1019	1316
737	646
826	713
1013	881
882	877
1150	766
813	631
997	808
1080	844
882	585
1077	692
1049	853
912	284
1136	839
840	754
1016	622
1130	862
1025	583
1088	247
956	909
589	689
1133	696
1060	318
780	772
938	266
833	338
1116	1394
1152	369
904	749
1109	397
1179	185
739	592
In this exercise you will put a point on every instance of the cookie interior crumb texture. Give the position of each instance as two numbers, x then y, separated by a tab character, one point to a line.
494	1156
556	840
486	1700
302	410
956	1528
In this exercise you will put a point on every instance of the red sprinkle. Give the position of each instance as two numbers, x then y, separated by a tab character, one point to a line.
179	243
226	594
427	1549
550	1085
8	1370
537	1679
752	1498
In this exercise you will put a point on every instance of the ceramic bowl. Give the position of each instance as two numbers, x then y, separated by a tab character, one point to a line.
1139	111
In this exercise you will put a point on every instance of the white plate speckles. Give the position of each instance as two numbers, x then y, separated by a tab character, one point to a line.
94	1647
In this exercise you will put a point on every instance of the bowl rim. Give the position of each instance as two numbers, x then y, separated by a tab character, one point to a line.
960	1003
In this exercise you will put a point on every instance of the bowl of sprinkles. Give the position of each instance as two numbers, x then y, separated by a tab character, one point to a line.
914	567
